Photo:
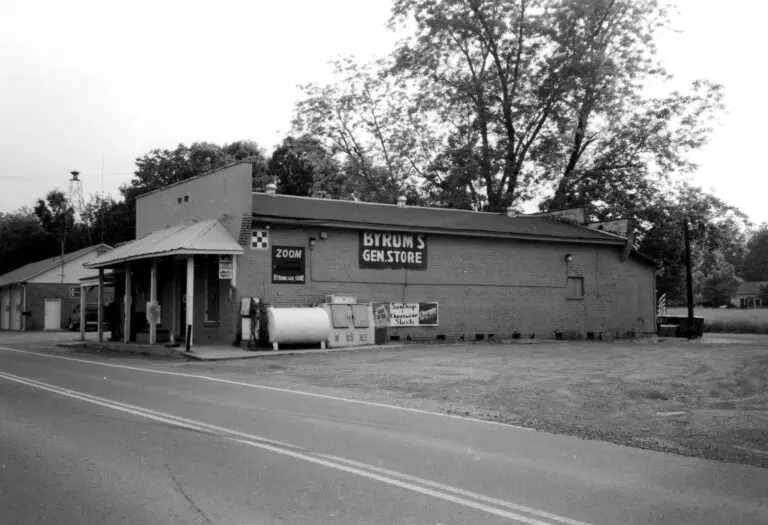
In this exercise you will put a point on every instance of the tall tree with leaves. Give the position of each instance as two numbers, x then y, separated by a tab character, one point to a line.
719	282
755	265
367	121
303	166
23	240
57	218
716	230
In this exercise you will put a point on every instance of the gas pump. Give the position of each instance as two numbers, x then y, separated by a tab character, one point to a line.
249	313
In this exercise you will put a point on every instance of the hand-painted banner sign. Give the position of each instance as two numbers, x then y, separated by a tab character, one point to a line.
405	314
393	250
288	264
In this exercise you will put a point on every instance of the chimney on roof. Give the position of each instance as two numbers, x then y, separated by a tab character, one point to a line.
511	212
401	201
271	188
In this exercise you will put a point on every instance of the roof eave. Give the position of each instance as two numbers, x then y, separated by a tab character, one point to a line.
613	241
64	260
184	251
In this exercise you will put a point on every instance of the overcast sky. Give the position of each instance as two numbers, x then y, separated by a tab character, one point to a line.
86	80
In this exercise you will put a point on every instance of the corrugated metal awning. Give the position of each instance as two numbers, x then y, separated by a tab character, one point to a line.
201	238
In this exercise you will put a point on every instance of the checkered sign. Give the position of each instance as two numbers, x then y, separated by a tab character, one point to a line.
260	239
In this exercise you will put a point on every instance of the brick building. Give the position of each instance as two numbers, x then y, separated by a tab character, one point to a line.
42	294
431	273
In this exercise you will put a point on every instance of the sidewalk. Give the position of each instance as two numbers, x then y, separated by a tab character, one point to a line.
205	353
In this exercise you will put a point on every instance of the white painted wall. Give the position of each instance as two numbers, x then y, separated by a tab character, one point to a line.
5	308
73	271
17	294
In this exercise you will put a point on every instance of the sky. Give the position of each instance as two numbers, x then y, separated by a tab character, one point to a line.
92	85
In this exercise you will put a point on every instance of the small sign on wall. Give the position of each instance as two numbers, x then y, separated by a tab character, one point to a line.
288	264
74	292
405	314
225	266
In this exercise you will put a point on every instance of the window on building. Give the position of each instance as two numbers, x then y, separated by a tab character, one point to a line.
212	290
575	287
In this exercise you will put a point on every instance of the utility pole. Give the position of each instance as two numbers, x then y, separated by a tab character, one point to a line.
689	277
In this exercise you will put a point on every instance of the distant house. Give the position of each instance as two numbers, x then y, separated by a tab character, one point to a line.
748	295
41	295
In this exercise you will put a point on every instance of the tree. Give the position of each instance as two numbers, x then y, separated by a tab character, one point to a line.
490	103
55	214
719	283
57	218
303	166
755	265
249	151
22	240
553	91
366	120
716	229
110	221
763	294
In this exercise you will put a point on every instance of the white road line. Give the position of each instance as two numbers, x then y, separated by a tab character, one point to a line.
269	388
448	488
402	484
142	411
447	494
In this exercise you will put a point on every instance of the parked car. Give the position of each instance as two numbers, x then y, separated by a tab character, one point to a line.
91	318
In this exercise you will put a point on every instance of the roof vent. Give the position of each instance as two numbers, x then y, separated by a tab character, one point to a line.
511	212
401	201
271	188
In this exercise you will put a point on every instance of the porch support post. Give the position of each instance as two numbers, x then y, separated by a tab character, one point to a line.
100	301
83	292
127	303
190	299
174	302
153	301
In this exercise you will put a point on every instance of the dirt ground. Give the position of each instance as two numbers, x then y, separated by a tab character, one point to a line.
705	398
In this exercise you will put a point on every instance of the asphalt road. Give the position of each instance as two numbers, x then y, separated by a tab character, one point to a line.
83	441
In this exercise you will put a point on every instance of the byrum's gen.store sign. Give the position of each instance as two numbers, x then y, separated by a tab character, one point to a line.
393	250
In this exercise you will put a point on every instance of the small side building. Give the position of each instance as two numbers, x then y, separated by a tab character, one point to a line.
205	244
42	294
748	295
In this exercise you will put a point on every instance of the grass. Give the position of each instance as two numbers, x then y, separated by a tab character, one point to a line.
729	320
706	398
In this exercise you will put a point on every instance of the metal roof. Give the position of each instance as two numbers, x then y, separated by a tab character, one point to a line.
327	212
26	272
750	288
205	237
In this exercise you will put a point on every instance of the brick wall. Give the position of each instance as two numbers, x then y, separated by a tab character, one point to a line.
38	293
484	286
224	195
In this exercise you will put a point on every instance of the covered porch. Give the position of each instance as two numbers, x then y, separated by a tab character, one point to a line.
173	286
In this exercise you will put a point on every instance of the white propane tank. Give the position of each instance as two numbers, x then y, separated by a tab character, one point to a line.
297	325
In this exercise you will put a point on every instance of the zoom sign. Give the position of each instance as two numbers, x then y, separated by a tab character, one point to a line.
393	250
288	265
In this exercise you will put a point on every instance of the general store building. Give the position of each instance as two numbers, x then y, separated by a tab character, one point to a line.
207	243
